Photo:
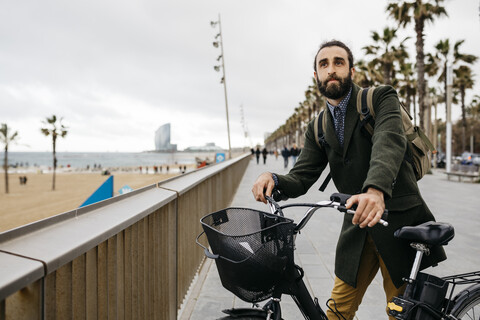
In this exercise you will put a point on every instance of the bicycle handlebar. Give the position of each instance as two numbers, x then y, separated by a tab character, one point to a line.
337	201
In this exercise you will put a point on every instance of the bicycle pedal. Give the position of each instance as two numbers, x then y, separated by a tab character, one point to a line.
399	308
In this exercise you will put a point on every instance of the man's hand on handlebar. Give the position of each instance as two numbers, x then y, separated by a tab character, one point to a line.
263	185
370	207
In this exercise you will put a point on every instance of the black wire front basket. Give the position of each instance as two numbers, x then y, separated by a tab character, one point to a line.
253	249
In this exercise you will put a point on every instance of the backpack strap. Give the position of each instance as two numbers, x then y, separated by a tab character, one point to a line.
318	126
316	130
325	182
365	109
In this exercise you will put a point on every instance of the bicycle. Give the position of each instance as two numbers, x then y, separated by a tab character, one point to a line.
253	251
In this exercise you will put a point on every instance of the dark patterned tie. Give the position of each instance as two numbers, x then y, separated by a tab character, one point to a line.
339	124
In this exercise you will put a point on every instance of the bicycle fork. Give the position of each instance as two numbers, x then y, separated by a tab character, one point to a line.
297	289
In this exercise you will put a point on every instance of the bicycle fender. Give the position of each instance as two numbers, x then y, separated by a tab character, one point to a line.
464	295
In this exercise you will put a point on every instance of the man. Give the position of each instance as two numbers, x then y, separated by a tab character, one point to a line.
285	155
372	169
294	152
264	155
257	154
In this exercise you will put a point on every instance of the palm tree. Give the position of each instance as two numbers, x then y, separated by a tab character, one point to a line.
463	80
386	53
6	138
441	57
316	99
420	11
407	83
57	129
473	112
366	75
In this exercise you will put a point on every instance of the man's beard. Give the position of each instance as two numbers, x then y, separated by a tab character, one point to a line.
335	90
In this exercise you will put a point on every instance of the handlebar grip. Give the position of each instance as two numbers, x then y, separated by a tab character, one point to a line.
340	197
384	214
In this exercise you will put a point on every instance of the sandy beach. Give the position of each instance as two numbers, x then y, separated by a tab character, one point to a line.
36	200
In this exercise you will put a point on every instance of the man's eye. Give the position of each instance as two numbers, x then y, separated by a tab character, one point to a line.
323	64
339	63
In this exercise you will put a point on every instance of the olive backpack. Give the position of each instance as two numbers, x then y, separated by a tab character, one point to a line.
418	144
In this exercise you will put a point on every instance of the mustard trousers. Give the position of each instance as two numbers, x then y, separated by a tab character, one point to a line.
347	298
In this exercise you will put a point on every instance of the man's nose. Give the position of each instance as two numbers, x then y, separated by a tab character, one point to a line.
330	69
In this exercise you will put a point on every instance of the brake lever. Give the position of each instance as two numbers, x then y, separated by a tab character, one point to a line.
342	208
274	206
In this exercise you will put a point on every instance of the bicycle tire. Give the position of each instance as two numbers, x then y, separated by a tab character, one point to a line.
244	314
467	305
242	318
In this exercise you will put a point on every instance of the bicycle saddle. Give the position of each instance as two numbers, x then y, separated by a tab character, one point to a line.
430	233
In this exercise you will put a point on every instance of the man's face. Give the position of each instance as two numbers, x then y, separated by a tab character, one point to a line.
334	75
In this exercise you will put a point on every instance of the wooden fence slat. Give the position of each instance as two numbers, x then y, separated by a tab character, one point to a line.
91	284
79	288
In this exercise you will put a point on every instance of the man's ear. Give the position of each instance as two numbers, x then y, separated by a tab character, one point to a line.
315	76
352	71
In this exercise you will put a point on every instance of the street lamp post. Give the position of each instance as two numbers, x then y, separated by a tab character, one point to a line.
435	132
449	118
217	68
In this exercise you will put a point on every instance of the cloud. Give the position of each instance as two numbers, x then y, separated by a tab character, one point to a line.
117	70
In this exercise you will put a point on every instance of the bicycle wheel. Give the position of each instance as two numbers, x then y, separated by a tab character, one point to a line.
244	314
253	313
242	318
468	306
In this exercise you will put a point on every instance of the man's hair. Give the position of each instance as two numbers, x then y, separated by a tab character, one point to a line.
334	43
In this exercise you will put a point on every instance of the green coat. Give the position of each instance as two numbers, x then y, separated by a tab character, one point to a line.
362	163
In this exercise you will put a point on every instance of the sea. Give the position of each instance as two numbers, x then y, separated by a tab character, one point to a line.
83	160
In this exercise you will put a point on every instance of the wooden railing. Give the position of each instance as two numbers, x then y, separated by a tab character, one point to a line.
129	257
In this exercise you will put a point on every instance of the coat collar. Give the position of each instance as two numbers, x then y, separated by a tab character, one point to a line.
351	120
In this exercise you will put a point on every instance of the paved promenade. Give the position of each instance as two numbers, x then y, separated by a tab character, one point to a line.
455	202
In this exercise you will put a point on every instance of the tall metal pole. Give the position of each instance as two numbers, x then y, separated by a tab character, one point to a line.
435	133
225	87
449	117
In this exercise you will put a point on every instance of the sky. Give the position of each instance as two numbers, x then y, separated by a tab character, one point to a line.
117	70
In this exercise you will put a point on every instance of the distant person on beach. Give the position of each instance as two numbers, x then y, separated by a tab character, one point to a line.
264	154
23	180
257	154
